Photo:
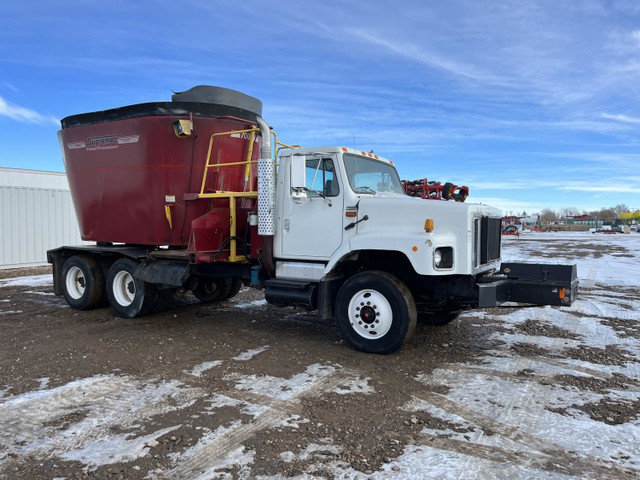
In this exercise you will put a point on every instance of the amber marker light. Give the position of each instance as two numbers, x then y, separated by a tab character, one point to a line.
428	225
415	249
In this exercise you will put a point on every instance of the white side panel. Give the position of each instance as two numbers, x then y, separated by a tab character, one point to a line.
32	221
17	177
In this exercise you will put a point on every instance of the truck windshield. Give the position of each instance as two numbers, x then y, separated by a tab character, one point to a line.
367	175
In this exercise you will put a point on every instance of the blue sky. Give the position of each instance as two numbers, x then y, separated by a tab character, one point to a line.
532	104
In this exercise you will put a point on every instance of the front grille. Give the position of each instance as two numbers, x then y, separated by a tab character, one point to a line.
476	242
490	238
486	240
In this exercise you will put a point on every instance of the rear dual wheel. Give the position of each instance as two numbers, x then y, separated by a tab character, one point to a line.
82	282
376	312
218	289
129	296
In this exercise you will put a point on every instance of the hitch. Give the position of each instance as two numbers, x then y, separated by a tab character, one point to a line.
533	283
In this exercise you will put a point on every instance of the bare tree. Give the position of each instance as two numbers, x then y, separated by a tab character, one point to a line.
620	209
569	212
607	215
547	216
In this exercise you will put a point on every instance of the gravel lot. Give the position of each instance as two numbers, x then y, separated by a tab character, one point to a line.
241	389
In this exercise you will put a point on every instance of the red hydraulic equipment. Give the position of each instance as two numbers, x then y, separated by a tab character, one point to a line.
430	190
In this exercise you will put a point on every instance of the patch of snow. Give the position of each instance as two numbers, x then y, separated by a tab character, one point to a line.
354	385
118	448
74	421
198	370
236	457
282	388
255	303
294	421
249	354
30	281
312	450
9	312
43	383
518	409
248	408
40	293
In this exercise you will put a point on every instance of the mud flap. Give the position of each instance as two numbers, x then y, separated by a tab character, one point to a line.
535	283
164	274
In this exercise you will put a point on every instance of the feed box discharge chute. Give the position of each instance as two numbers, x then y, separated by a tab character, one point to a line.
142	174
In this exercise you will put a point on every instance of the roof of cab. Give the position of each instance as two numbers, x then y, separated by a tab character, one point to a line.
334	149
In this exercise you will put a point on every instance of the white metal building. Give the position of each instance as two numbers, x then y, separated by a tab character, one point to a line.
36	214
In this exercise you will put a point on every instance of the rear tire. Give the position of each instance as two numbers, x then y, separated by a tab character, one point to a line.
129	296
376	312
208	290
231	288
217	290
82	282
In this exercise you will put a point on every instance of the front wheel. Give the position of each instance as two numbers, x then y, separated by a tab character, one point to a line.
376	312
129	296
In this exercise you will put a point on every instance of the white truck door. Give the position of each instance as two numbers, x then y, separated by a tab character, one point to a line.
313	215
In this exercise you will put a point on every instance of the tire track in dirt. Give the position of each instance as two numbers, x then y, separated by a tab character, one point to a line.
547	455
218	449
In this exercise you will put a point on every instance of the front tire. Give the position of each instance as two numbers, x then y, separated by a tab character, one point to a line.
82	282
129	296
376	312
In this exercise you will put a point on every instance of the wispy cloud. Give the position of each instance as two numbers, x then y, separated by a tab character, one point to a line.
413	52
24	115
621	118
10	86
617	188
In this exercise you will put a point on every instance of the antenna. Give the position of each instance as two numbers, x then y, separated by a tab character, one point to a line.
354	141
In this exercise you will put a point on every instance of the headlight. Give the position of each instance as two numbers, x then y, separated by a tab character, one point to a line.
437	258
443	258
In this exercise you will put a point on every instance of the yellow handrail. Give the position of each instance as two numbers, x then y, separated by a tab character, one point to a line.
248	162
232	196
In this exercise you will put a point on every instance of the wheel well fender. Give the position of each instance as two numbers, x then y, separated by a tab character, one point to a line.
391	261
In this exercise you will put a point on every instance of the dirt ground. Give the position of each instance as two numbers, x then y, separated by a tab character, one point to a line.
241	389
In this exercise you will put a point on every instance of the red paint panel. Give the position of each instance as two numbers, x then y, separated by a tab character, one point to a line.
121	173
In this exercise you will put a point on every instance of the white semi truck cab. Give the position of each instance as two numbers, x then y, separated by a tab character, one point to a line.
187	195
350	242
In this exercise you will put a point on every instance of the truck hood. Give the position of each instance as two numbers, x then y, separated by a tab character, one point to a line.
401	213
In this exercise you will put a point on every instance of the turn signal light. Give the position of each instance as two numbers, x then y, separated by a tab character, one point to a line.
428	225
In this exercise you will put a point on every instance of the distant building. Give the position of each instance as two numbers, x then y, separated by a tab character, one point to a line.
584	220
36	214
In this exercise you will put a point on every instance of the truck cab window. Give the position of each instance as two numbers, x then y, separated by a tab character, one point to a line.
367	175
321	178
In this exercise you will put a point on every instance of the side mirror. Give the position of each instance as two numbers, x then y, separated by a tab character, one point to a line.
298	170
